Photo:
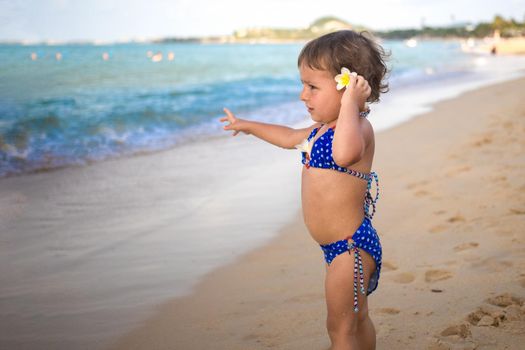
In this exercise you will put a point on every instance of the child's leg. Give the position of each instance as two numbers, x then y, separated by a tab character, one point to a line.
367	334
348	329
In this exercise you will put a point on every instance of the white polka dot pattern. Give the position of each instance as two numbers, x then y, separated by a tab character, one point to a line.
365	238
321	155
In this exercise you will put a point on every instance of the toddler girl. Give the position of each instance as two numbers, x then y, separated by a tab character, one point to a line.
337	153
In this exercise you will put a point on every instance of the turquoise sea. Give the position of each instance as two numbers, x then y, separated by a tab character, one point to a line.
95	102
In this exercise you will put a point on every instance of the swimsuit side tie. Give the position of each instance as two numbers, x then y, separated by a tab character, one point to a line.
358	269
369	200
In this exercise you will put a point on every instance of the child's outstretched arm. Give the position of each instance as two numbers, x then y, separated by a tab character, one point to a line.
349	142
278	135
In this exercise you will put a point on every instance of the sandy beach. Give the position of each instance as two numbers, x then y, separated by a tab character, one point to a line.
150	251
452	222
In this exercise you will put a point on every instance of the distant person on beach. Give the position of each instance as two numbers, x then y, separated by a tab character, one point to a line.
340	72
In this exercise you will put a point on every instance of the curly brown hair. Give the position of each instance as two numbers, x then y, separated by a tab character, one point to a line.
358	52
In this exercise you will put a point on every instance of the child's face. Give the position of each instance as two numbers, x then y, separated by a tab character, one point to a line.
319	94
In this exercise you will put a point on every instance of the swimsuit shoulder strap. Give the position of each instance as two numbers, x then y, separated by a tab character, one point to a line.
314	132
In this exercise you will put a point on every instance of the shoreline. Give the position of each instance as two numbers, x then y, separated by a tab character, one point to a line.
410	97
510	46
273	295
87	252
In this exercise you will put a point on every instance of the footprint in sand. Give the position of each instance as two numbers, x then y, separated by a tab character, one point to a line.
455	156
417	184
421	193
456	218
457	336
494	264
388	311
482	140
458	170
388	266
438	228
308	298
466	246
505	312
506	299
509	125
437	275
498	310
498	178
404	277
516	211
462	330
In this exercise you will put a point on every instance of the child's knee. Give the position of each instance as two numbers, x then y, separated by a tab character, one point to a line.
345	324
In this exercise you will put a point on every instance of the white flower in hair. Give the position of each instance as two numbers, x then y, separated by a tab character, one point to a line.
343	79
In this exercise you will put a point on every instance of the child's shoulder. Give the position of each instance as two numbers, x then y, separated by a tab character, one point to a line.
366	125
368	131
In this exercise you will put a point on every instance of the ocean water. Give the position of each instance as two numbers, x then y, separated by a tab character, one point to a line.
83	108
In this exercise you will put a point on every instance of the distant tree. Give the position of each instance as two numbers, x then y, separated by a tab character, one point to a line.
508	28
483	30
499	23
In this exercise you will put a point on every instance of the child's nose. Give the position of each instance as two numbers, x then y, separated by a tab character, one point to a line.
303	96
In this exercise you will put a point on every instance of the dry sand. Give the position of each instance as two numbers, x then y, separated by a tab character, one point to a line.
452	221
511	46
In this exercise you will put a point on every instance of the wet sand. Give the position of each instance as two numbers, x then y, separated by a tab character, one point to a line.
87	252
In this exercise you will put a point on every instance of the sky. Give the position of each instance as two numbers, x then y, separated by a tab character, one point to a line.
110	20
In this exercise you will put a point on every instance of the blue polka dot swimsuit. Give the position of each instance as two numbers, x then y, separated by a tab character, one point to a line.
365	237
321	157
